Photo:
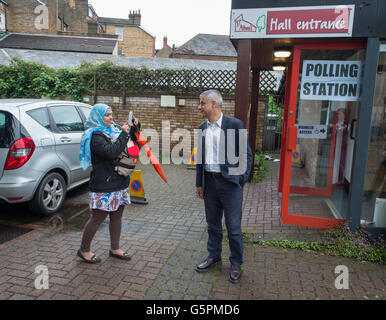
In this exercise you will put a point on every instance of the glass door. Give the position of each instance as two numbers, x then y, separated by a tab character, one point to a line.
322	116
374	197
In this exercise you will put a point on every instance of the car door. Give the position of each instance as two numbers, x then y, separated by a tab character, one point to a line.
68	130
85	112
9	132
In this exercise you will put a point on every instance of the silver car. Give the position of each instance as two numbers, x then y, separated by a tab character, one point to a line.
39	151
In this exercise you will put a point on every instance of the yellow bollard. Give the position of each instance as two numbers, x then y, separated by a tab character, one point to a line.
137	191
296	158
193	159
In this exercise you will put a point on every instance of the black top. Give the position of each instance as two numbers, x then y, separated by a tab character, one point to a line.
103	153
103	177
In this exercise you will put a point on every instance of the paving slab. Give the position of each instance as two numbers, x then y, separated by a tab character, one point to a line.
167	238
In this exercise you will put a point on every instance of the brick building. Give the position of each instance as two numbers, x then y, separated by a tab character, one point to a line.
133	39
56	25
30	16
166	50
77	16
207	47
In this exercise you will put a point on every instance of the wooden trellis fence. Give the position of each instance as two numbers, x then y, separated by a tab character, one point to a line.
114	79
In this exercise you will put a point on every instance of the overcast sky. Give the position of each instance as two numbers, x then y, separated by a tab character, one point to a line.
179	20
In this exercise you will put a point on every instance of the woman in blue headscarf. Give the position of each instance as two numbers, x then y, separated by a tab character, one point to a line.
101	144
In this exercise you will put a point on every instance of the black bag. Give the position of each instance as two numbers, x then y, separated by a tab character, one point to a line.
125	163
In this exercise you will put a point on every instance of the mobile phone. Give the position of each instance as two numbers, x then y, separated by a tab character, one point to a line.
130	117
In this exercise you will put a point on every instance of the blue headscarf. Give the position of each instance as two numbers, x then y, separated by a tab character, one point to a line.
95	123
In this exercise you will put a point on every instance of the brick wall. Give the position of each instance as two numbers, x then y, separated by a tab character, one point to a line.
75	15
21	16
148	110
136	42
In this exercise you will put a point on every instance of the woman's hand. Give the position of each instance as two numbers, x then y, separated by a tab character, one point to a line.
135	122
126	127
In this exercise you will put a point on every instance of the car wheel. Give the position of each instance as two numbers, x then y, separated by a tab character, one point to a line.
50	195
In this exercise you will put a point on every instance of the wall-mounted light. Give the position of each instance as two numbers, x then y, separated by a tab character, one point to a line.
282	52
278	67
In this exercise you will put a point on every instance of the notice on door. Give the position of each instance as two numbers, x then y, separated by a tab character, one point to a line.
312	131
331	80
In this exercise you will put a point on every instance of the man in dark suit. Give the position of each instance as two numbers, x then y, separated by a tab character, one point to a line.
224	161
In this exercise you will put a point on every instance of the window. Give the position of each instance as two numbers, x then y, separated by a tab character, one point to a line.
2	21
8	129
40	115
119	32
66	118
86	111
374	204
90	12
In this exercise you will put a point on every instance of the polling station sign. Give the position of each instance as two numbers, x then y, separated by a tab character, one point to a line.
331	80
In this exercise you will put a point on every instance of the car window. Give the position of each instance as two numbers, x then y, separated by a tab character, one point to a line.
40	115
86	111
66	118
9	129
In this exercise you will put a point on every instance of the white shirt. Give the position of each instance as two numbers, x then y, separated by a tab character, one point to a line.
212	146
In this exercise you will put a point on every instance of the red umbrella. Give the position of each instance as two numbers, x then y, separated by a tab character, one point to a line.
153	160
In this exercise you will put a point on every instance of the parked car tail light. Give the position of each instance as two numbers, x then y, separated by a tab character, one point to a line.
20	152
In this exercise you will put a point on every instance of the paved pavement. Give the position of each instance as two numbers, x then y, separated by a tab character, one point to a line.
167	238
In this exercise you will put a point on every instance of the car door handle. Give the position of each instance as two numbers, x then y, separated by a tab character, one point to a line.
65	139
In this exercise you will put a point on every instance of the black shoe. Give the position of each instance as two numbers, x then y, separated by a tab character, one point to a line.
93	259
235	274
207	264
125	256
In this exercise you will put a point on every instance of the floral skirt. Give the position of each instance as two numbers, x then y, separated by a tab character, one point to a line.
109	201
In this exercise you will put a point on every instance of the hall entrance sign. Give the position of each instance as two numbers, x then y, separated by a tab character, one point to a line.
292	22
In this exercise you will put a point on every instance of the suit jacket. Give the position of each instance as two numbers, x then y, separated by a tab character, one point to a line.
228	168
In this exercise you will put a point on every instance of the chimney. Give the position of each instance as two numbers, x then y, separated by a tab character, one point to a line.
135	17
165	42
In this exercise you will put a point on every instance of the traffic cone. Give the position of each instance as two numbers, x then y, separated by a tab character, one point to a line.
137	192
296	158
193	158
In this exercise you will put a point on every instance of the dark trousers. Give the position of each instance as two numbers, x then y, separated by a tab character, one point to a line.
96	219
222	197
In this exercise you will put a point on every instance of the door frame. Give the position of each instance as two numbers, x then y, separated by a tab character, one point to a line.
290	140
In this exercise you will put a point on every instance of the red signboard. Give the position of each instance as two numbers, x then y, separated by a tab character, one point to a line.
301	22
308	21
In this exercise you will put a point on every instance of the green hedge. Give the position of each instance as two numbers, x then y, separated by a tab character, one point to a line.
23	79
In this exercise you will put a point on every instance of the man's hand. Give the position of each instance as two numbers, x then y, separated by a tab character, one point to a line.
199	193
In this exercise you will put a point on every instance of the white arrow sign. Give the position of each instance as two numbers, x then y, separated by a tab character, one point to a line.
312	131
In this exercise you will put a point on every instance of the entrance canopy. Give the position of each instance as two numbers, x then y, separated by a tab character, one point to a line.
331	77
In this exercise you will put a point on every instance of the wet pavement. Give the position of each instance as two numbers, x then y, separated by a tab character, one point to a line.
69	216
166	239
8	233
